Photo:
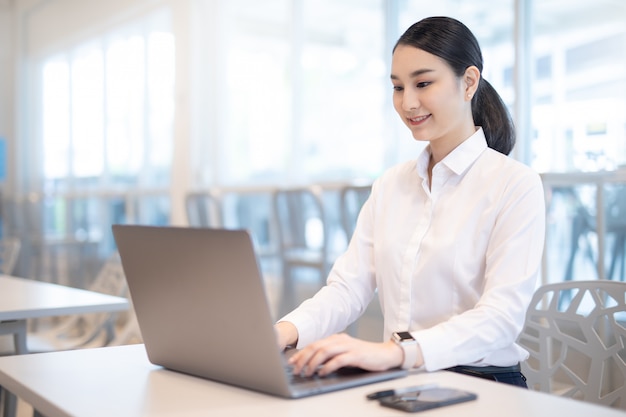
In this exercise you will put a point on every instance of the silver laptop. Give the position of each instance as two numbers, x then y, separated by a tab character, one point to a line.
202	310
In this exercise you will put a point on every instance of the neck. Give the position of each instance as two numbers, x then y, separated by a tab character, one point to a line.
439	149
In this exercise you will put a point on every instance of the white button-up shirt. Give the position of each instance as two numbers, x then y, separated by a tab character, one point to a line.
455	263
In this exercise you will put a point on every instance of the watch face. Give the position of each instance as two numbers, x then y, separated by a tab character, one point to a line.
405	336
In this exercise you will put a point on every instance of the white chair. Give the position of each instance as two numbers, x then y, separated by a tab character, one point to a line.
578	348
88	330
129	332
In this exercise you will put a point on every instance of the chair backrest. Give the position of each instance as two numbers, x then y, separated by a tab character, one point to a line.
9	252
576	336
300	218
253	210
111	279
203	209
352	199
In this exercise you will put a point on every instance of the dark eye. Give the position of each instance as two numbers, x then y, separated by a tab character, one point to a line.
423	84
397	88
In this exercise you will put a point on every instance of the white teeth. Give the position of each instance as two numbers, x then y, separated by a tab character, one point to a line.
418	119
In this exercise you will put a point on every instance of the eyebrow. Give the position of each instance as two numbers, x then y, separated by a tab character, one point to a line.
414	73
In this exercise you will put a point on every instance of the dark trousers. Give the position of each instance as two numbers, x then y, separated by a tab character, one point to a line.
511	375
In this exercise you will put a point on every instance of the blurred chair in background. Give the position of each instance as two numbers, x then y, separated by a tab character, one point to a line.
252	209
578	349
203	209
352	199
303	239
18	330
616	227
241	208
54	246
9	253
583	228
128	331
87	330
584	232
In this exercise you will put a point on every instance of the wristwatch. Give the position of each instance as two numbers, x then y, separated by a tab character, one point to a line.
408	345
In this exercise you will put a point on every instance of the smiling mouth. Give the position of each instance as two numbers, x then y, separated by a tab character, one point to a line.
417	120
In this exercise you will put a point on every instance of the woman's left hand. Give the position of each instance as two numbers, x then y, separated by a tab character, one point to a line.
327	355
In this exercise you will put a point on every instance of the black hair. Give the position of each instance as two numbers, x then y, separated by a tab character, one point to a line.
452	41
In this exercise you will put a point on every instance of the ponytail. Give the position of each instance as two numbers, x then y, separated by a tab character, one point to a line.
490	112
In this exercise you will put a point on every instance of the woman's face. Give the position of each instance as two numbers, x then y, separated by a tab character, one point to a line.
431	100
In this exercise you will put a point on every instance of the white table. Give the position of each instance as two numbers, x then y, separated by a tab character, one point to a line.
23	299
28	299
119	381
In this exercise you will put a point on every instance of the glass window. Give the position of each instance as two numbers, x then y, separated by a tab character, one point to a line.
108	106
87	115
300	92
578	114
56	117
579	90
344	88
255	133
125	70
107	124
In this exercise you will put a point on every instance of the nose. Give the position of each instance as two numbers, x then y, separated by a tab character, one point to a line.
410	100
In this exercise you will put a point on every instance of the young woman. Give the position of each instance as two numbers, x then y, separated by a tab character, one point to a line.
452	241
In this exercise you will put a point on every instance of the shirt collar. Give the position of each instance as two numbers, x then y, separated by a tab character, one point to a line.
460	158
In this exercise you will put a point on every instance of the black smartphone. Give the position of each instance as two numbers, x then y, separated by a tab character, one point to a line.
426	399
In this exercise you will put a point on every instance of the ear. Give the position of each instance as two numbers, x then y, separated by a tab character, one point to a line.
471	78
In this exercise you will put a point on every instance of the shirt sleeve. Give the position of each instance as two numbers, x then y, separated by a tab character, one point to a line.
349	289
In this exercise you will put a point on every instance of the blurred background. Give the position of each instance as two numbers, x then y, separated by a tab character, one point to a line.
197	112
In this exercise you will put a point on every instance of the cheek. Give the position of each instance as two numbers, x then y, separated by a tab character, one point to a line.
397	103
447	101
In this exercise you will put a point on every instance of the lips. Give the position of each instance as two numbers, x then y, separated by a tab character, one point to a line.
417	120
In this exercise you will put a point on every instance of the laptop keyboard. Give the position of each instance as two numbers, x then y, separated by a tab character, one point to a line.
342	372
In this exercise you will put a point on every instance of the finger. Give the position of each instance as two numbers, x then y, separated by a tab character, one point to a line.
329	352
300	359
309	359
337	362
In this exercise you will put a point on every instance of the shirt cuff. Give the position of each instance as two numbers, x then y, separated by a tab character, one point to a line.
436	354
305	327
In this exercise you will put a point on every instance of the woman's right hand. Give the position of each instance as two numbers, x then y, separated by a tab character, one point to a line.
286	334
